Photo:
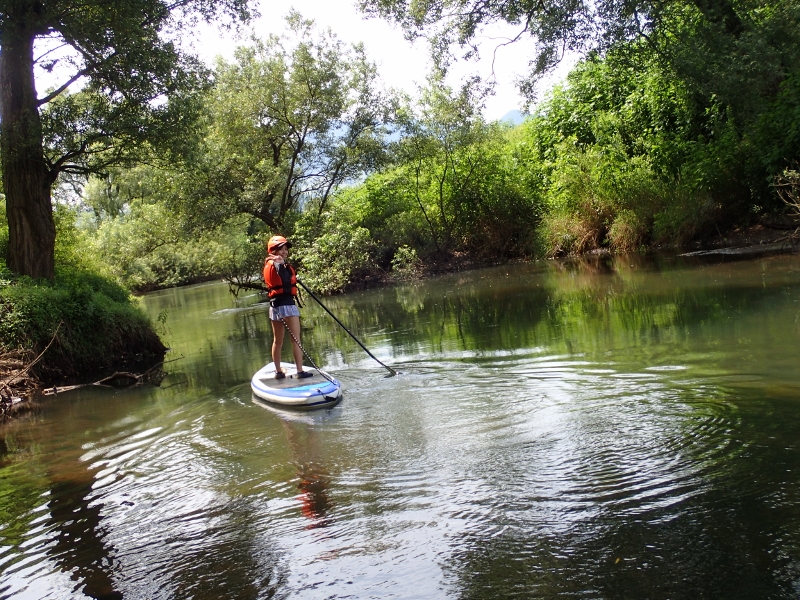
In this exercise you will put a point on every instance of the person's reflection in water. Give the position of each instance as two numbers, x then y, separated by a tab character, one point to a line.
315	504
314	479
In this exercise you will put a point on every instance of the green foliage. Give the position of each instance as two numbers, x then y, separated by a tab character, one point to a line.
650	141
597	198
87	133
140	90
147	248
92	322
146	245
241	260
384	205
405	264
733	50
630	158
691	107
335	258
458	184
138	98
289	121
776	135
463	176
73	248
115	192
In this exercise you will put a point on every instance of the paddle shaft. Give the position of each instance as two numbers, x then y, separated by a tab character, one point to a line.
310	293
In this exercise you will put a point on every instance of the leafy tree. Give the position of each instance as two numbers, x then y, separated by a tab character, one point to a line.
556	25
738	52
136	84
113	194
146	245
289	121
444	124
461	172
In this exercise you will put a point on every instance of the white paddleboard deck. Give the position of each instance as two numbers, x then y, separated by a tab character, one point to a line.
316	391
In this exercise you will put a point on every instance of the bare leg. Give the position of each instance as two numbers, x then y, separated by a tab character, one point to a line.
277	343
294	327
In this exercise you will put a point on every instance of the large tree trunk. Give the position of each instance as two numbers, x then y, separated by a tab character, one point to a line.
721	12
26	177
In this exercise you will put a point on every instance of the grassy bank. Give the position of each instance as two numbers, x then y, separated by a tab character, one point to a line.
82	324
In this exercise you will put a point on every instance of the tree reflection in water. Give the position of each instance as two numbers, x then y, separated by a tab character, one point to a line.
79	547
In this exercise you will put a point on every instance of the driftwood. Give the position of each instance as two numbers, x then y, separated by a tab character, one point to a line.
236	285
15	383
23	372
119	379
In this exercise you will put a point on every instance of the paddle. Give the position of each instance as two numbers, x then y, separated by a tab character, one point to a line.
392	372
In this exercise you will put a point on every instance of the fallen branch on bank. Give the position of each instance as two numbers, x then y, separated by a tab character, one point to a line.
24	371
119	379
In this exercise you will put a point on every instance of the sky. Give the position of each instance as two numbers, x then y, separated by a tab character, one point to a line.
401	64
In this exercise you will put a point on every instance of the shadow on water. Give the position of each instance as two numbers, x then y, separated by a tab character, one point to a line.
78	544
94	518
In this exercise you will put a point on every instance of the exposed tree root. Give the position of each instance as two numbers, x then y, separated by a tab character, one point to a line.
15	383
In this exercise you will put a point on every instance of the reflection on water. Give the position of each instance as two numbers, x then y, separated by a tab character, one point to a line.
308	459
607	428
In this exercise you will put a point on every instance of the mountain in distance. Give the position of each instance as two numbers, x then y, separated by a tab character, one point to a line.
514	117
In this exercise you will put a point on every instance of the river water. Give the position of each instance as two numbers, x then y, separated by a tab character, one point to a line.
609	428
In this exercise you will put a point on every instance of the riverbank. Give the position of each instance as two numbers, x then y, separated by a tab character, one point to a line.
19	384
752	237
753	240
49	354
75	329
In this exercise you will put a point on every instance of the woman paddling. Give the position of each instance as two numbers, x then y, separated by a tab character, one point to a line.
281	281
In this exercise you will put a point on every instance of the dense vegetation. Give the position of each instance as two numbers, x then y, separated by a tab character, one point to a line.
85	321
626	154
661	137
137	99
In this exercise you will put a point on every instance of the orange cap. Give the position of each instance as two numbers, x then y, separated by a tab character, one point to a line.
276	241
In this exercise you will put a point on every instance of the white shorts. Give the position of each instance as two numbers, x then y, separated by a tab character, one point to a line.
276	313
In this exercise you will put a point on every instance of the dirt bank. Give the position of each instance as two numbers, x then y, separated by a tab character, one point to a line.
25	374
752	236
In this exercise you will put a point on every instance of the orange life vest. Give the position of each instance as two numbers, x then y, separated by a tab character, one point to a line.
274	282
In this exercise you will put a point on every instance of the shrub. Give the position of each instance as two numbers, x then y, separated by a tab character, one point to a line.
686	217
627	232
148	249
334	258
405	264
92	321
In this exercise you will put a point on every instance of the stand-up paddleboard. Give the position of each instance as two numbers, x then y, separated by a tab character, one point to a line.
316	391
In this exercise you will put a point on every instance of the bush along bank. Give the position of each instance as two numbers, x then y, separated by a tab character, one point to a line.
73	329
